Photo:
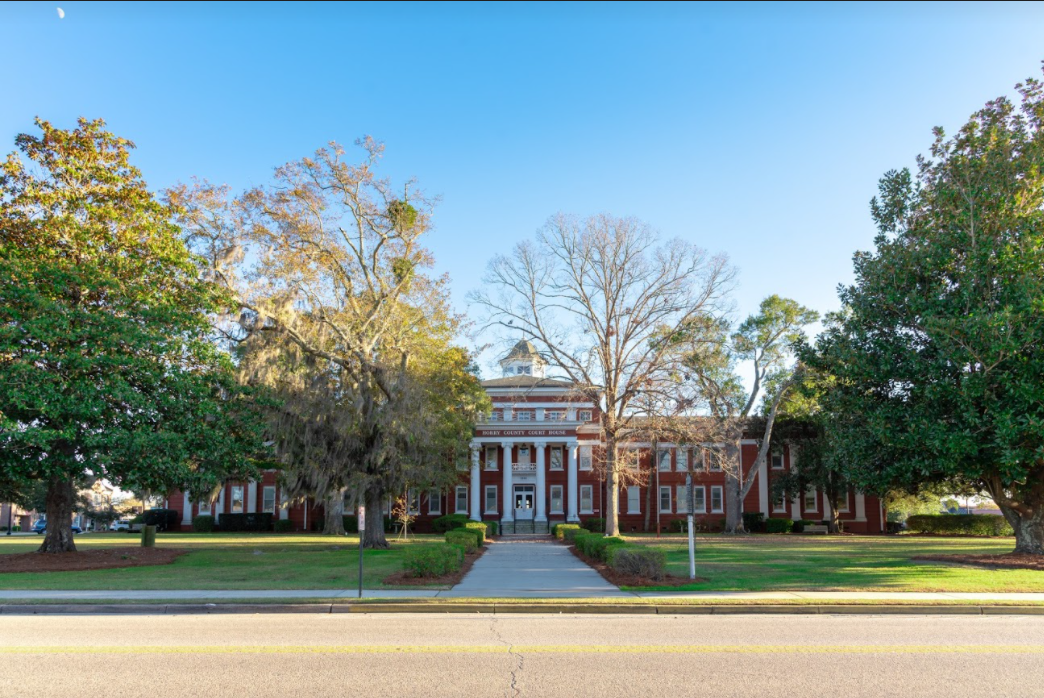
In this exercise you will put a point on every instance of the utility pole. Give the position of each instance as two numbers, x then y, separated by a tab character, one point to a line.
692	535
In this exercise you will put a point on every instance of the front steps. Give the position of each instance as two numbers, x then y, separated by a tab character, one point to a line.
524	527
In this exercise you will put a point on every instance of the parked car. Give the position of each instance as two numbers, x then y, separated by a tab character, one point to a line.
121	525
41	527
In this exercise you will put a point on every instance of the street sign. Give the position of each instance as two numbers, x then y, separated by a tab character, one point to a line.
362	519
362	529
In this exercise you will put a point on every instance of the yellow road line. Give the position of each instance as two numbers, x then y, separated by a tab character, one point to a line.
524	649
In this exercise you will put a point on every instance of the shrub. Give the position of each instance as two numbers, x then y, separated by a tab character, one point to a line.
778	525
246	522
595	525
203	524
677	526
449	522
960	524
162	519
465	538
638	561
432	560
350	523
481	529
569	535
559	530
799	525
284	526
139	518
754	522
596	546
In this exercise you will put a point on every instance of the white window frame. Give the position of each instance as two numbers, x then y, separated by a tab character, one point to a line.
843	509
772	460
711	465
586	457
496	415
265	508
699	502
584	415
491	463
554	415
779	506
205	511
525	454
681	499
242	499
665	489
435	497
663	460
589	489
560	452
721	499
486	500
413	501
561	499
634	499
456	501
524	416
682	459
815	501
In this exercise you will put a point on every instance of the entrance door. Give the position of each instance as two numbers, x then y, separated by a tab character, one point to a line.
525	496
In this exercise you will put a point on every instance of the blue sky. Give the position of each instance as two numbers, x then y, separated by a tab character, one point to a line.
757	130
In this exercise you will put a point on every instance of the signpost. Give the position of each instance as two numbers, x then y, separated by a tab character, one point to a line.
692	536
361	516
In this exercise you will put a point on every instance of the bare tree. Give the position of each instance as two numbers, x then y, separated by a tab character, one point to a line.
594	295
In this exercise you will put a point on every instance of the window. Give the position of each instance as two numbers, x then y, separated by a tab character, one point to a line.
556	499
491	499
554	415
777	460
585	457
518	371
434	502
842	502
496	415
712	459
665	499
663	460
634	500
716	502
699	500
462	501
556	458
524	455
491	458
586	499
810	501
780	503
204	507
268	500
583	415
682	498
682	456
524	415
413	501
237	499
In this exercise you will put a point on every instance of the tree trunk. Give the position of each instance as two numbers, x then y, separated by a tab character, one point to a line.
612	504
733	487
334	525
374	536
61	495
1029	529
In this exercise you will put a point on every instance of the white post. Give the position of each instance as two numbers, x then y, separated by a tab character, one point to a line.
541	514
220	505
251	506
476	485
284	506
860	512
571	457
797	499
763	487
509	504
186	514
692	534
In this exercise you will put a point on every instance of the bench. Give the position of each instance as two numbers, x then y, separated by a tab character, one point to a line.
816	528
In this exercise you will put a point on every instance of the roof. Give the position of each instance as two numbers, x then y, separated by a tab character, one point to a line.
522	350
524	381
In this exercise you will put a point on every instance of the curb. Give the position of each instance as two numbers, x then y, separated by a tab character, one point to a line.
519	608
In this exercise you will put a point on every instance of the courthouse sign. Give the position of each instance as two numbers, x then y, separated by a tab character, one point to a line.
523	432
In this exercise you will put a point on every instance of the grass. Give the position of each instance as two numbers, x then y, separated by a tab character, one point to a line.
224	561
829	563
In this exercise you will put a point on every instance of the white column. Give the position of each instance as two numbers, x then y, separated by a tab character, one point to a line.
828	512
509	504
763	487
793	468
860	512
284	506
251	506
476	485
186	513
571	498
541	511
220	508
880	509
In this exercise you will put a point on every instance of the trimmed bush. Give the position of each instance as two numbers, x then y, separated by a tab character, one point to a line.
778	525
432	560
677	526
799	525
594	525
571	534
559	530
596	546
350	523
203	524
449	522
960	524
284	526
465	538
754	522
481	529
245	522
639	561
162	519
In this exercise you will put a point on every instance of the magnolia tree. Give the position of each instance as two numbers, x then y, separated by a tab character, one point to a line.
593	295
937	350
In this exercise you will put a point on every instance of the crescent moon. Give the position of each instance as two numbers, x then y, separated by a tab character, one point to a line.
61	13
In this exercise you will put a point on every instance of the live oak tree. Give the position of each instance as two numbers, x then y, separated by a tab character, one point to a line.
937	352
593	295
106	368
329	259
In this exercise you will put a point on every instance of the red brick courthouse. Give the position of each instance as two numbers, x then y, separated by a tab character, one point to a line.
532	466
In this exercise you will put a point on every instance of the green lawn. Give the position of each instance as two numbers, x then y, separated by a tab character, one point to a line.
850	563
224	561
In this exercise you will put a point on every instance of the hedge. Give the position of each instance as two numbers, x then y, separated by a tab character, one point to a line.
245	522
594	525
753	522
799	525
571	534
596	546
350	523
162	519
778	525
639	561
203	524
467	539
960	524
432	560
559	530
449	522
481	529
284	526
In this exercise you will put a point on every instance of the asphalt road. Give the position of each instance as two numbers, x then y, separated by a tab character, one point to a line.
406	655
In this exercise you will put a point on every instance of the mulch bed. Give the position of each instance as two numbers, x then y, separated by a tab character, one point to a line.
94	559
1007	561
403	579
625	580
